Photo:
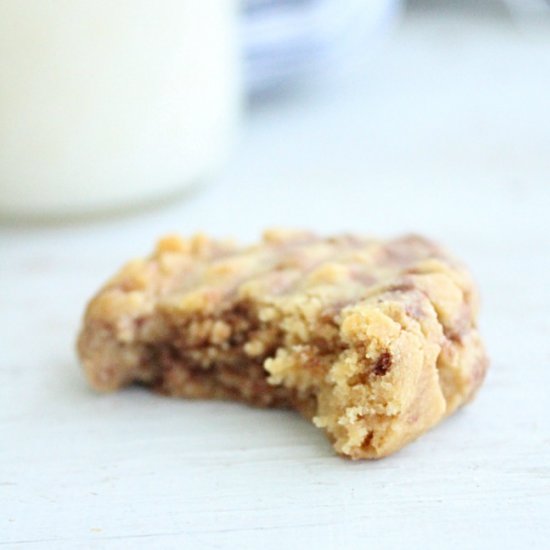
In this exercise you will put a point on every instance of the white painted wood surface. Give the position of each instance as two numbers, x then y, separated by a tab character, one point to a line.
449	136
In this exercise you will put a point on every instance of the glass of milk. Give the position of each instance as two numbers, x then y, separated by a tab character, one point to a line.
112	103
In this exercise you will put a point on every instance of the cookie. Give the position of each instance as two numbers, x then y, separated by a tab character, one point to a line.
374	340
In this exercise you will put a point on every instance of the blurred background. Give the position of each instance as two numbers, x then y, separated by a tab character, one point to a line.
106	108
121	121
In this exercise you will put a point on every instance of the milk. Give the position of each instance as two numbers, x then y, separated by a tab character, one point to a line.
109	103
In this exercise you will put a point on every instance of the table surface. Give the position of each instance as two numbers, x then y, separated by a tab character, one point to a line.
447	134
